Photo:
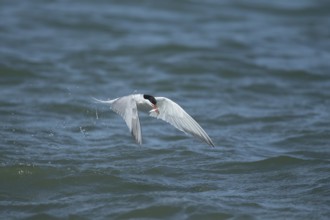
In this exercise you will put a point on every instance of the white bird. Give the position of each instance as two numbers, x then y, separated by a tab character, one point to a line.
158	107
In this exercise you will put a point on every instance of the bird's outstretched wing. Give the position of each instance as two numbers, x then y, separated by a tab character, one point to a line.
172	113
126	107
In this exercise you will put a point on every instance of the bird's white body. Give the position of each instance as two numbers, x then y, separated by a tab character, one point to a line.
158	107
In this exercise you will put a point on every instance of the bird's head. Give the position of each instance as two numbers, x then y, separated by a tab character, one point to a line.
152	102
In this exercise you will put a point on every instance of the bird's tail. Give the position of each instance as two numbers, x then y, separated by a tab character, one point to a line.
103	101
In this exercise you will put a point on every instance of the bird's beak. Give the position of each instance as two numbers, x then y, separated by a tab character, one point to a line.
155	109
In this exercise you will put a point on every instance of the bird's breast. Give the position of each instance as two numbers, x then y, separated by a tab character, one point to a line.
144	107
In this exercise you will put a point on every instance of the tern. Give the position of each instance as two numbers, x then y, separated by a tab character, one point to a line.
159	107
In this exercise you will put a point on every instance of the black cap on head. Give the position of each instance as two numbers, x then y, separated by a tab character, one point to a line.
150	98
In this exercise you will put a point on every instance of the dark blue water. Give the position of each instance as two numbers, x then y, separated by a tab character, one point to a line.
255	75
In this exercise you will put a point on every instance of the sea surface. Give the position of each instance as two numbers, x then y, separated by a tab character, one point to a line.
254	74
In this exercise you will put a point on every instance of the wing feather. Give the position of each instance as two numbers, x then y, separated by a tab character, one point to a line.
126	107
172	113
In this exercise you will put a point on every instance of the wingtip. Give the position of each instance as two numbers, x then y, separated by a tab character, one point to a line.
209	142
138	142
